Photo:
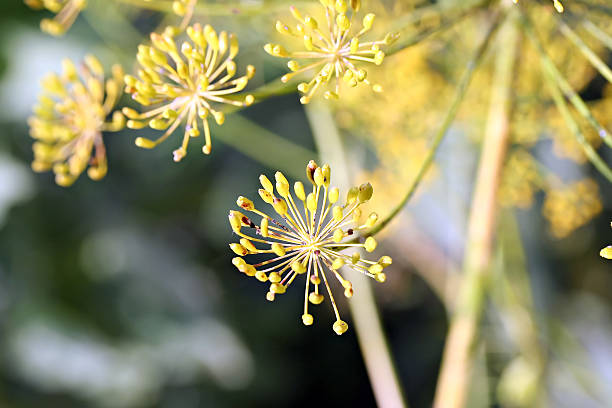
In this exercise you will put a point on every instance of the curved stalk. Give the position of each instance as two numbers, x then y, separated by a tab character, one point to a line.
370	333
458	358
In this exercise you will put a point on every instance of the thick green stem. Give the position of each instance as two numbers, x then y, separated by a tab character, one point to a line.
369	329
458	357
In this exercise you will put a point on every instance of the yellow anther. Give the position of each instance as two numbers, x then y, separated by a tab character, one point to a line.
266	184
315	298
334	194
340	327
298	267
307	319
298	188
261	276
370	244
278	249
338	263
365	192
606	252
270	296
239	249
266	196
277	288
337	213
263	228
371	221
375	269
311	202
355	257
280	206
381	277
338	235
245	203
248	245
352	195
274	277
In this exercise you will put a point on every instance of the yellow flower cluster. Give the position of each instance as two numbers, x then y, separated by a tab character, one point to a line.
571	207
66	12
308	240
184	84
69	120
333	50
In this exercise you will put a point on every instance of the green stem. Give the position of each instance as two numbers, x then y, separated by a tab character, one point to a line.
439	136
593	58
573	126
598	33
563	85
458	357
369	329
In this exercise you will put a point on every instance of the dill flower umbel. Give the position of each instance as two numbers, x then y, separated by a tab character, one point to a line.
66	12
184	84
334	52
70	117
306	241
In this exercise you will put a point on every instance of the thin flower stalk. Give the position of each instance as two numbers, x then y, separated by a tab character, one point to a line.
66	12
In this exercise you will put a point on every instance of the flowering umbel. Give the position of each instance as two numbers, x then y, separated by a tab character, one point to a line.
335	51
306	241
66	11
185	83
70	117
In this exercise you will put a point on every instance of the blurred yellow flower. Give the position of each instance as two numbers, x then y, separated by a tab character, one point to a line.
66	12
185	84
309	240
335	51
571	206
69	120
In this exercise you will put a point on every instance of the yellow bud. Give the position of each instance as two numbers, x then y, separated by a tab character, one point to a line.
277	288
379	57
248	245
283	189
261	276
307	319
250	270
278	249
340	327
365	192
326	174
606	252
355	257
239	262
351	195
275	277
298	267
385	261
334	194
341	6
310	170
264	227
343	22
368	21
298	187
370	244
280	206
143	142
338	235
348	292
337	213
270	296
372	218
239	249
318	176
245	203
315	298
338	263
381	277
266	184
315	279
375	269
266	196
356	215
235	222
311	23
311	202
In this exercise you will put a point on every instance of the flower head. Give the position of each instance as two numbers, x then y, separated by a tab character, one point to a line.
335	51
306	241
70	117
571	206
66	11
185	84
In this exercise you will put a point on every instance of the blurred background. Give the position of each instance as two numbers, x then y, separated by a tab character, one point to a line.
121	293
